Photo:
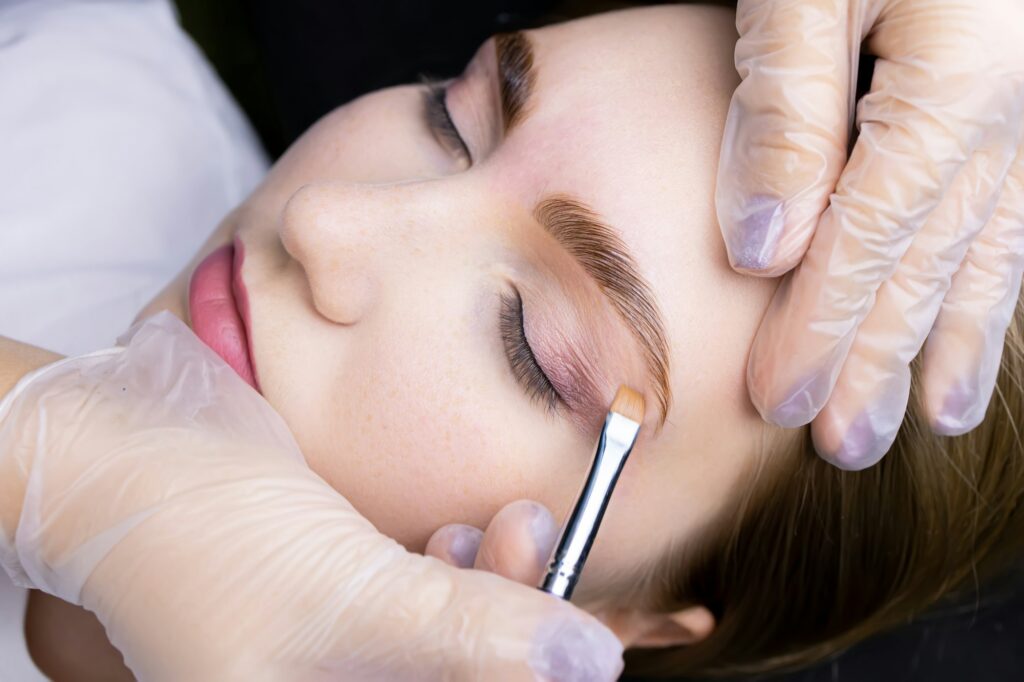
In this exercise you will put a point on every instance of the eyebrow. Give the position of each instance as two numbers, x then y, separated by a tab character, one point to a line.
597	247
516	75
605	257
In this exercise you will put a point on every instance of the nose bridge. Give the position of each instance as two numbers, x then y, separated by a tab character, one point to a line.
350	239
336	219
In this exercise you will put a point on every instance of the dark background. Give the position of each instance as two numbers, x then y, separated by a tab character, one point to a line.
288	62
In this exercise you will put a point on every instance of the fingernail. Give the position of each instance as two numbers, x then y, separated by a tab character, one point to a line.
544	532
463	546
862	446
960	413
797	410
753	242
791	414
806	397
570	650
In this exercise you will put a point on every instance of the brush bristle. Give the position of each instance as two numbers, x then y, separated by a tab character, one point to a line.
629	404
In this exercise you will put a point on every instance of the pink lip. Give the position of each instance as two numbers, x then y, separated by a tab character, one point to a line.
218	306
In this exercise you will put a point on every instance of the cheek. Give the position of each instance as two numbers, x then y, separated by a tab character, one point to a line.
417	439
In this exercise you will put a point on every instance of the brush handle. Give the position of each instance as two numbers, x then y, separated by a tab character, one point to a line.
580	529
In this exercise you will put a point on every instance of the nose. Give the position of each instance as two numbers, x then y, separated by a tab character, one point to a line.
337	244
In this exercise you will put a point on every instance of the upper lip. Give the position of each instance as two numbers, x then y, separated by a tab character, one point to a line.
241	296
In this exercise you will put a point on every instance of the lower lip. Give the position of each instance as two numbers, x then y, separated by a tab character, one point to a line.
218	307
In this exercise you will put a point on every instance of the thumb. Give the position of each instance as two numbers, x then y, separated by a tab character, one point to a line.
462	624
787	130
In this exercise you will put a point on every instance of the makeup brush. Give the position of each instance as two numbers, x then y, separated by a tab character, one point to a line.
621	427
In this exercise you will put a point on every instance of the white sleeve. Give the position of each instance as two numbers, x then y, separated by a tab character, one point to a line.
120	152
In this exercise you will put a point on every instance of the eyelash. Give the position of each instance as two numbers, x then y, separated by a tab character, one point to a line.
440	119
523	362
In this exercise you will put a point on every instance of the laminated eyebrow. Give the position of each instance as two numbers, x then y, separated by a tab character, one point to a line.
605	257
439	118
516	75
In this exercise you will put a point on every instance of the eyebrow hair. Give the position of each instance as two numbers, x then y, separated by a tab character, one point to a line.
515	75
604	256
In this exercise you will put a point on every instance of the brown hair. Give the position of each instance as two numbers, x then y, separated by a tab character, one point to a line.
810	559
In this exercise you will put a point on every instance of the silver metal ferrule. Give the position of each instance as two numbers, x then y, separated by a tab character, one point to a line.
580	529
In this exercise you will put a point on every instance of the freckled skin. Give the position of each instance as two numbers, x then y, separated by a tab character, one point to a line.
374	294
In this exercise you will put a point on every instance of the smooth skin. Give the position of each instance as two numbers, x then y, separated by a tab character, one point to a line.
375	262
335	246
372	332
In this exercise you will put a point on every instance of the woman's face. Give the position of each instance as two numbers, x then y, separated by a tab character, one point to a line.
442	326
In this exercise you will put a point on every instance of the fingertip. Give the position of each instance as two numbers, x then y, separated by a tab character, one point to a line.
752	229
769	202
572	650
952	428
518	541
791	413
961	412
456	544
861	446
784	397
544	530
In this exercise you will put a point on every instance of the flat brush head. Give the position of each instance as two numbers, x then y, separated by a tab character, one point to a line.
629	404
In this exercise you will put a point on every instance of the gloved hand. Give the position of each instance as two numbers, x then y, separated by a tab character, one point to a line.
920	233
154	487
516	544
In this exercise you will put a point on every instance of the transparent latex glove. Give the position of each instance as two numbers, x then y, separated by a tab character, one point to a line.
920	233
154	487
517	543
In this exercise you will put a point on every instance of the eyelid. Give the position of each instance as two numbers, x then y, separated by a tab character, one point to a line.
567	360
440	121
523	361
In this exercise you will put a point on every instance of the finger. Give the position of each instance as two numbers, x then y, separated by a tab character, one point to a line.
477	624
568	645
909	150
447	623
518	542
786	133
455	544
859	422
419	618
963	352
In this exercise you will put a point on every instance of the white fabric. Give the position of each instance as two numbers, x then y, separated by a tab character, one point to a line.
119	154
120	151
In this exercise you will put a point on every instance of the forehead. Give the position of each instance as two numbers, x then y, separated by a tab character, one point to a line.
627	114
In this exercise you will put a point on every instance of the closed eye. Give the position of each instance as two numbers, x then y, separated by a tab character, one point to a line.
525	368
435	106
